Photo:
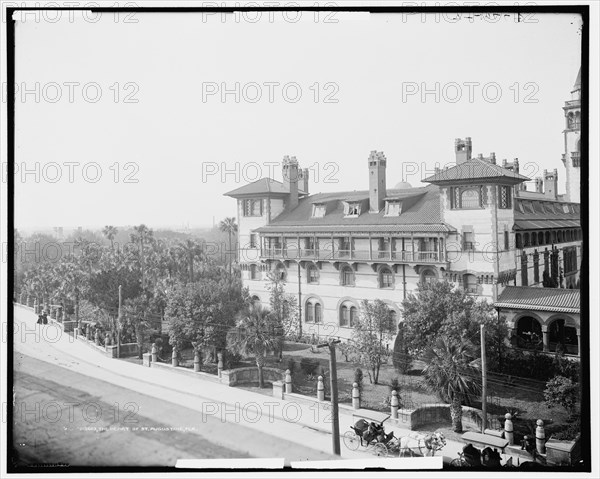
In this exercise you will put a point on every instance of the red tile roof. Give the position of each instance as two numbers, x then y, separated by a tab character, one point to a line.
540	299
264	186
420	212
475	169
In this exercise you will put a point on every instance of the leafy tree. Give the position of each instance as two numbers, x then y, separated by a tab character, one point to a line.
441	310
135	317
453	372
374	328
255	335
562	391
142	237
229	226
202	313
401	359
284	308
190	249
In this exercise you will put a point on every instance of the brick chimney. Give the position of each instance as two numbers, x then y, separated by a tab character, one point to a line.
462	149
290	180
493	158
377	185
303	183
551	184
539	185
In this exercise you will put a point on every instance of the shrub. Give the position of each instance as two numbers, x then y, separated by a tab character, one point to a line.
309	366
570	432
231	359
395	386
358	378
291	365
561	391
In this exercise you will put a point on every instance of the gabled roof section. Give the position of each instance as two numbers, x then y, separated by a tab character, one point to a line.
540	299
264	186
420	212
476	169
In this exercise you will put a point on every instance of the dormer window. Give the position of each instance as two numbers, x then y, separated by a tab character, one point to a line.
318	210
351	209
393	208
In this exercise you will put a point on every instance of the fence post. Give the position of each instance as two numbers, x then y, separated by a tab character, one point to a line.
288	381
107	339
540	437
320	389
196	362
88	332
355	396
154	353
97	338
219	364
174	362
394	404
508	429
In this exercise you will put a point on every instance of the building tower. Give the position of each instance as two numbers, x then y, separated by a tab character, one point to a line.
572	132
377	181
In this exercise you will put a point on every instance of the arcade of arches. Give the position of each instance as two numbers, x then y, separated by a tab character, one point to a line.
560	331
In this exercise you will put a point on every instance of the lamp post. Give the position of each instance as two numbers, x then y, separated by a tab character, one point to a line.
335	424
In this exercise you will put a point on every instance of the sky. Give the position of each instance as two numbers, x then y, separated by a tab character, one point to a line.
153	121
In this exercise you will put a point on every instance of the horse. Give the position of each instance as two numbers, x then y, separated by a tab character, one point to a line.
427	444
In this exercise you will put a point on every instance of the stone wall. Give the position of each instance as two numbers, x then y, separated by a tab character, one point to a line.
249	375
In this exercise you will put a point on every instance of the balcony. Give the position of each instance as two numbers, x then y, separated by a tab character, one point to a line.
575	158
353	254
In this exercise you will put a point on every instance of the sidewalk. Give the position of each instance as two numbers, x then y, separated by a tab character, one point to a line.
278	417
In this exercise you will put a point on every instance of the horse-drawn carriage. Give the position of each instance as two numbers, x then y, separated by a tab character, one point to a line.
368	431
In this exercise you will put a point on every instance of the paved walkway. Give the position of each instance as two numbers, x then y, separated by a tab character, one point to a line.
290	420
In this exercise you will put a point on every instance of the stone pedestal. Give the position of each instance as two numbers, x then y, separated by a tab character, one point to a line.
508	429
394	404
196	362
355	396
288	381
320	389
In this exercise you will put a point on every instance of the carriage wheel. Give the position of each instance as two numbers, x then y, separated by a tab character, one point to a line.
380	450
351	440
459	462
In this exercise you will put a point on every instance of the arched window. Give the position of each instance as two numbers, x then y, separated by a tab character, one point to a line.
353	316
312	274
540	238
547	241
529	333
348	315
469	198
559	236
310	312
386	278
526	242
470	283
347	276
518	240
253	271
428	276
318	313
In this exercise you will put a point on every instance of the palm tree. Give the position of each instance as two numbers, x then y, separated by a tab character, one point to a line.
109	233
142	236
256	336
190	250
453	372
229	226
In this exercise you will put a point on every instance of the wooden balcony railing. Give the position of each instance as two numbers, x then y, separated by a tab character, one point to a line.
353	254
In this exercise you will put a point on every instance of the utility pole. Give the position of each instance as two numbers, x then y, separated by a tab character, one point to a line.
119	323
483	381
299	300
335	424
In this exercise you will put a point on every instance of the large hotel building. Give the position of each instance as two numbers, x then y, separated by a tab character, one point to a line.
474	224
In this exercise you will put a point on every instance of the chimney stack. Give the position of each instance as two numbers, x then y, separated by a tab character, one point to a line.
462	149
303	186
377	184
539	185
493	158
290	179
551	184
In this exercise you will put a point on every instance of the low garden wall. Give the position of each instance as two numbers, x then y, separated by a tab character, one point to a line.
127	349
249	375
181	370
